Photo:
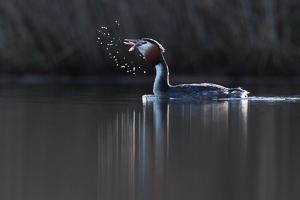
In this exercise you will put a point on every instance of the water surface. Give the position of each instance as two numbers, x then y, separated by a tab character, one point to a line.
96	142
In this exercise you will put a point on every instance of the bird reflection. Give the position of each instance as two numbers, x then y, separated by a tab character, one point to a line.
139	149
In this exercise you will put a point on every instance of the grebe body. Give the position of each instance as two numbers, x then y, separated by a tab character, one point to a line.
153	54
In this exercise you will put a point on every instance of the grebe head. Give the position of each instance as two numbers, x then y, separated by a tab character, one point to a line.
151	49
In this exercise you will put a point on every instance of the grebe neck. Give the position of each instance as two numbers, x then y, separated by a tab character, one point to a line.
161	82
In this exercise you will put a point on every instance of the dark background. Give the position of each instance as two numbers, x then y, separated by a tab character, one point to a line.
207	37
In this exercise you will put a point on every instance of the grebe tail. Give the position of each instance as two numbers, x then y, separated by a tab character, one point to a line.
153	54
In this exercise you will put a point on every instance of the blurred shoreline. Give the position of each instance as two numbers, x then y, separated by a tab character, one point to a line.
216	37
147	80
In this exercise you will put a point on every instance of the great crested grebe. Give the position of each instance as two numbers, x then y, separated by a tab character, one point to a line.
152	52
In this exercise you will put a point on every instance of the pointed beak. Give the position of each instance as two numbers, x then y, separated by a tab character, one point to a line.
133	42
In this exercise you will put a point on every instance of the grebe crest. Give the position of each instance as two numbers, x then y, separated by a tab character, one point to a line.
153	54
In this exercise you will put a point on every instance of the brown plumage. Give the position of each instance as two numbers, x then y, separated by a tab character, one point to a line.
152	53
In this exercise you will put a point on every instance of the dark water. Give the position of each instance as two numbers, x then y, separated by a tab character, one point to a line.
96	142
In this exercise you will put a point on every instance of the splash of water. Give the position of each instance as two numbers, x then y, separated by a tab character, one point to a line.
267	99
113	46
274	99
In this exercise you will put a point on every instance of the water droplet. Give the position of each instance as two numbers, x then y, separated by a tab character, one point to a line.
133	69
144	72
139	67
117	51
122	66
98	38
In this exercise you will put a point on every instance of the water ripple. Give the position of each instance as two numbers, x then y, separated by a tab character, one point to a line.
253	98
